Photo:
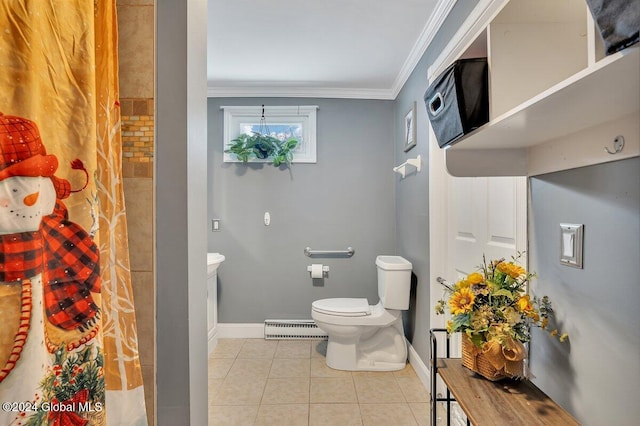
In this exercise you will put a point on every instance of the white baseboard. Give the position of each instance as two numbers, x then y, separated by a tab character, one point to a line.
212	339
241	331
458	418
419	367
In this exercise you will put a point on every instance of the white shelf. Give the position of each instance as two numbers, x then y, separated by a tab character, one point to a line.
605	92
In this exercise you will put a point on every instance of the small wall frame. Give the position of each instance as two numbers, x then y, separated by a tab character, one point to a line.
410	128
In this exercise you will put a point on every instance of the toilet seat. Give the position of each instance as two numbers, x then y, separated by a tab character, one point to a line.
377	316
343	307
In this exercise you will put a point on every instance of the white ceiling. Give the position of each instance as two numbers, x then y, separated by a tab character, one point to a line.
318	48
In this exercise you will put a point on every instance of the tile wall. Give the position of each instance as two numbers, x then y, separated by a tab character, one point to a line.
136	64
137	131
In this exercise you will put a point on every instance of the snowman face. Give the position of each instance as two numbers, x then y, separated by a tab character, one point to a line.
23	202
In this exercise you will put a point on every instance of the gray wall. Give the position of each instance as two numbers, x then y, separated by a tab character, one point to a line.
345	199
412	193
181	150
595	374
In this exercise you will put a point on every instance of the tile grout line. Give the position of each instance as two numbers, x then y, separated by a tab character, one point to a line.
285	354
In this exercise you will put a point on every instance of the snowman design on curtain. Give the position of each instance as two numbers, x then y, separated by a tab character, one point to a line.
49	286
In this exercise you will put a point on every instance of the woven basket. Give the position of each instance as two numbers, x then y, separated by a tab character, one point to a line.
476	361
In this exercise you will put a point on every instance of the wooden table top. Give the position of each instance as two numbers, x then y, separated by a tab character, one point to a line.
506	402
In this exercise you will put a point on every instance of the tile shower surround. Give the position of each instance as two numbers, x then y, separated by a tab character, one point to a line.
287	382
137	131
137	171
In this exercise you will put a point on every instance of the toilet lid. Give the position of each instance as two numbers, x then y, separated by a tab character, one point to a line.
347	307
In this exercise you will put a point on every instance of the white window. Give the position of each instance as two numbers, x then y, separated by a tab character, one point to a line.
281	122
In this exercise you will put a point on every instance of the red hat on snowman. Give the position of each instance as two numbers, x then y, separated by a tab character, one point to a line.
23	154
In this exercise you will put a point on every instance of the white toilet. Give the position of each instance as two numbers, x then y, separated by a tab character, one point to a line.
363	337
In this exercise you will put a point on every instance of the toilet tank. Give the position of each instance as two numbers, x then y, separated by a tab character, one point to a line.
394	281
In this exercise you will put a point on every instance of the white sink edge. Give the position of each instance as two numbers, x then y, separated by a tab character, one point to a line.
215	258
213	262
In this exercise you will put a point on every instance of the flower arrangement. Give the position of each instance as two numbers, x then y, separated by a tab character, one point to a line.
495	314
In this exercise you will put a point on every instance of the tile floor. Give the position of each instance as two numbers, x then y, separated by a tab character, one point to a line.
287	382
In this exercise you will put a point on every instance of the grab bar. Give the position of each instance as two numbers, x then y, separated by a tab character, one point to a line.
329	253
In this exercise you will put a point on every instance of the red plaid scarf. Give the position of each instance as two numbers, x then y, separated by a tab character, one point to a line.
20	256
71	269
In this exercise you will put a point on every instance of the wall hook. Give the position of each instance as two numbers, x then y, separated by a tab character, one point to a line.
618	145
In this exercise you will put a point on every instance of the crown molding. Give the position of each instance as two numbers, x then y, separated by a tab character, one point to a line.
474	24
274	91
442	10
271	90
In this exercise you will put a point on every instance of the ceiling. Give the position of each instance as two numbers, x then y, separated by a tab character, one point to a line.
317	48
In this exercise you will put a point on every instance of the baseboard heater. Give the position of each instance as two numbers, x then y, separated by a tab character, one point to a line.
292	329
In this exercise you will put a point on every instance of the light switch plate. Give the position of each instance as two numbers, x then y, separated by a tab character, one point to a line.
571	244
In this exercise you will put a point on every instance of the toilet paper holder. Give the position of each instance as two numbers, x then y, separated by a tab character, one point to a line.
325	270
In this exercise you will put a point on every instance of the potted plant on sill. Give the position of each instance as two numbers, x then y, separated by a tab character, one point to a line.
262	146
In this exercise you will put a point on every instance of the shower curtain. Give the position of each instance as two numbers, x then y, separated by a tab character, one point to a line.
68	343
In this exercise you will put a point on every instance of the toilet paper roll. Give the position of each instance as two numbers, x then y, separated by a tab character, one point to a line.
316	270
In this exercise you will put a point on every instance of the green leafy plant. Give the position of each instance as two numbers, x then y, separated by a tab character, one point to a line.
263	146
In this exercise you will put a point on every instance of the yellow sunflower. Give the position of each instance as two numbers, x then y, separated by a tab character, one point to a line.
514	271
475	278
461	301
